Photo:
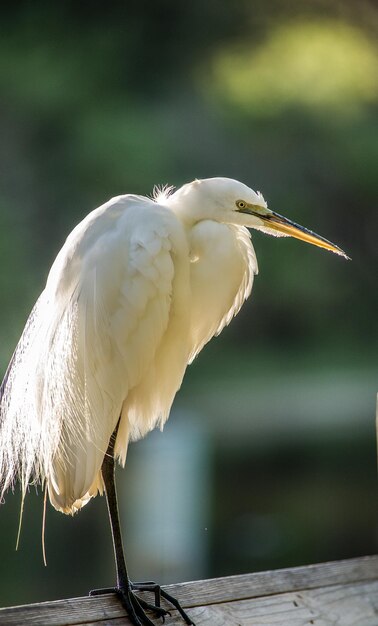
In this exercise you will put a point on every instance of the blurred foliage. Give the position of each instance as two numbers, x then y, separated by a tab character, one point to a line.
109	98
101	102
322	67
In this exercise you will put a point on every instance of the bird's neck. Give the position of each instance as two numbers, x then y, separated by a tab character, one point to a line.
189	208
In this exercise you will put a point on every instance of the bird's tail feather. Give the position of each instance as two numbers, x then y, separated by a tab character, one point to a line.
42	401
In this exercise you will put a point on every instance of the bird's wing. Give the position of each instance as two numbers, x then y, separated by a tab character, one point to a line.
96	328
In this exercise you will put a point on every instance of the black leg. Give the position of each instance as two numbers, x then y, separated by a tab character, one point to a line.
125	588
108	474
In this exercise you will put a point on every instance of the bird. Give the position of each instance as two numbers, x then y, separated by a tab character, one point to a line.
140	285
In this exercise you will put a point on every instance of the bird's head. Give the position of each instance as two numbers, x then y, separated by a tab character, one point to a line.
229	201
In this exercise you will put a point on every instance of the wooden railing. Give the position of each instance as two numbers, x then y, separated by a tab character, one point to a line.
342	593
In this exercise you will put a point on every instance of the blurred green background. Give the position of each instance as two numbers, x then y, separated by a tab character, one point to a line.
269	458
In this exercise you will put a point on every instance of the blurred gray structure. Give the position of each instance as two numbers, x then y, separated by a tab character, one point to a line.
166	504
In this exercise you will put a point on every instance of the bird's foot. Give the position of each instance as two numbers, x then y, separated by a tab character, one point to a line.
136	607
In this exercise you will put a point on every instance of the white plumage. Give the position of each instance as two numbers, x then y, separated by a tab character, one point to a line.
139	287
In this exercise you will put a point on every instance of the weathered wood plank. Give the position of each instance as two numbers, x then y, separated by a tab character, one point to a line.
336	605
237	598
346	571
64	612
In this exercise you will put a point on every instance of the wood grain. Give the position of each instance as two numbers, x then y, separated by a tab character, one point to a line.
342	593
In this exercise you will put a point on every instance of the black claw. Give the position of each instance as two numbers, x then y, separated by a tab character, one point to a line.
160	612
149	586
153	587
177	606
135	601
136	606
101	592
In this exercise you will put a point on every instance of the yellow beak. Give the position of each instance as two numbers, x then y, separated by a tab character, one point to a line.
287	227
283	225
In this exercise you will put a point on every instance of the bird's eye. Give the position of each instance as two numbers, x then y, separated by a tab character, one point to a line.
240	204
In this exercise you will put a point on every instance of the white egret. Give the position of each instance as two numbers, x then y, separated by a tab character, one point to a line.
137	290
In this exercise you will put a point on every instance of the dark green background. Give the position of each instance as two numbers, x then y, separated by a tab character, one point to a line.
100	99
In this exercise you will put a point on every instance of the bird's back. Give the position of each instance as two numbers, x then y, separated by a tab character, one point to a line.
91	338
132	296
